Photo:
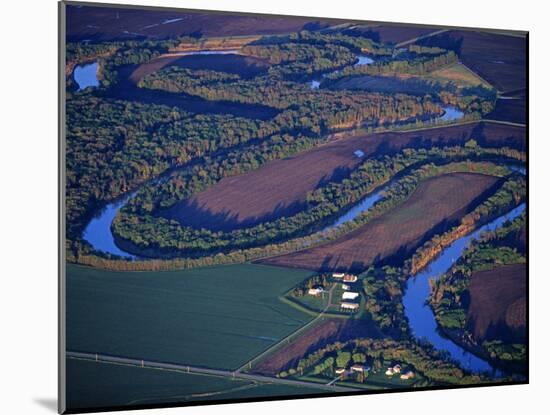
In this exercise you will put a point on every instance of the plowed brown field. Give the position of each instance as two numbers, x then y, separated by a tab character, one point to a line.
435	205
328	331
108	23
498	303
497	58
280	187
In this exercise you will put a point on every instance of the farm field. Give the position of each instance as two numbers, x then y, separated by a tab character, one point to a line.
498	303
244	66
512	108
459	74
456	73
436	204
213	317
396	33
326	331
107	24
499	59
99	384
272	191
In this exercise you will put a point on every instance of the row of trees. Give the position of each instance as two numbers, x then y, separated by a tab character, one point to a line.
85	256
384	286
434	367
450	293
323	109
511	193
359	44
419	66
145	230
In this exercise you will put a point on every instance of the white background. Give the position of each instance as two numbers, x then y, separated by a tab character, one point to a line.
28	204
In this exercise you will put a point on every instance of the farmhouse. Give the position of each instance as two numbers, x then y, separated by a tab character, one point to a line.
349	306
350	278
315	290
338	275
359	368
393	370
350	295
407	375
340	370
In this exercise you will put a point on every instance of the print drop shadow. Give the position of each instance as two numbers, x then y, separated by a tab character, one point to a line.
48	403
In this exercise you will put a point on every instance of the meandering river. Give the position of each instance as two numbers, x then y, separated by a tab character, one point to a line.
422	321
98	231
421	317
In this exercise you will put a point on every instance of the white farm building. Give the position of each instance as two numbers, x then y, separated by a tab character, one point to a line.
350	278
350	295
349	306
315	290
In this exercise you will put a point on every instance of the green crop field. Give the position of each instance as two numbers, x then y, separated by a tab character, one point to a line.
216	317
99	384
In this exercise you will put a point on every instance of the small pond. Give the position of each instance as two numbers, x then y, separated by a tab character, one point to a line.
86	75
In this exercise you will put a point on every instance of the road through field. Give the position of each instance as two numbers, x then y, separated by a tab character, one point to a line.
416	39
291	335
194	369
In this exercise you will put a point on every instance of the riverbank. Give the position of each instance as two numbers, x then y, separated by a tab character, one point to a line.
460	338
419	313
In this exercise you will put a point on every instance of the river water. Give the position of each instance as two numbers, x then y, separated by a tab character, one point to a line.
98	231
364	205
451	114
421	318
361	60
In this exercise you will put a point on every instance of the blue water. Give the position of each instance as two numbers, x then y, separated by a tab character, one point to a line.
98	232
451	114
314	84
421	318
358	209
86	75
364	60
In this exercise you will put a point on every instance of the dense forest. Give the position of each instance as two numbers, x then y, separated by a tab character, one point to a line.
324	109
138	224
115	146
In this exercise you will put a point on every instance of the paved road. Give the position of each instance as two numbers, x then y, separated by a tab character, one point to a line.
193	369
415	39
291	335
513	124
